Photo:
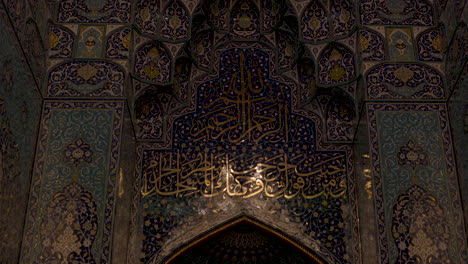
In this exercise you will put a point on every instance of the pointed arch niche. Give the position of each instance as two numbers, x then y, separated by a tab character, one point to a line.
243	239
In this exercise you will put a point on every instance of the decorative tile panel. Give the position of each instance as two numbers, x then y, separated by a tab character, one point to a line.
272	12
219	14
286	42
400	44
314	23
201	45
457	54
86	78
90	43
307	80
94	11
431	45
118	44
60	42
175	22
416	190
400	81
72	195
343	17
147	16
245	20
372	45
396	12
153	62
336	65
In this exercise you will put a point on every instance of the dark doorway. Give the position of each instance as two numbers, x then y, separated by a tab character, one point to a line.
244	241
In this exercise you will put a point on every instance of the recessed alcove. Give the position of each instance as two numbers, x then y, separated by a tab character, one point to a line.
243	240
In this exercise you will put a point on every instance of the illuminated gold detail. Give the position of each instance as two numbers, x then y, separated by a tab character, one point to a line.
151	70
53	40
438	43
337	73
275	177
245	21
126	41
145	14
154	53
364	42
216	126
87	72
404	74
241	120
175	23
314	23
335	55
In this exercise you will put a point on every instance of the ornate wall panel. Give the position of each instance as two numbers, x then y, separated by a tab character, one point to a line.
272	12
458	106
287	43
34	50
242	146
153	62
94	11
238	107
118	44
372	45
30	33
86	78
72	195
244	240
90	42
60	42
336	65
201	45
10	172
400	44
431	45
314	23
218	14
343	17
245	20
404	81
146	16
175	22
416	190
340	115
396	12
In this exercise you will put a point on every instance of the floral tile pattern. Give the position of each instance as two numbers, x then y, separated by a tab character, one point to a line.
72	199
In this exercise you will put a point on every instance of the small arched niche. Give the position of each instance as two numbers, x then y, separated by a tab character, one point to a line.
243	240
